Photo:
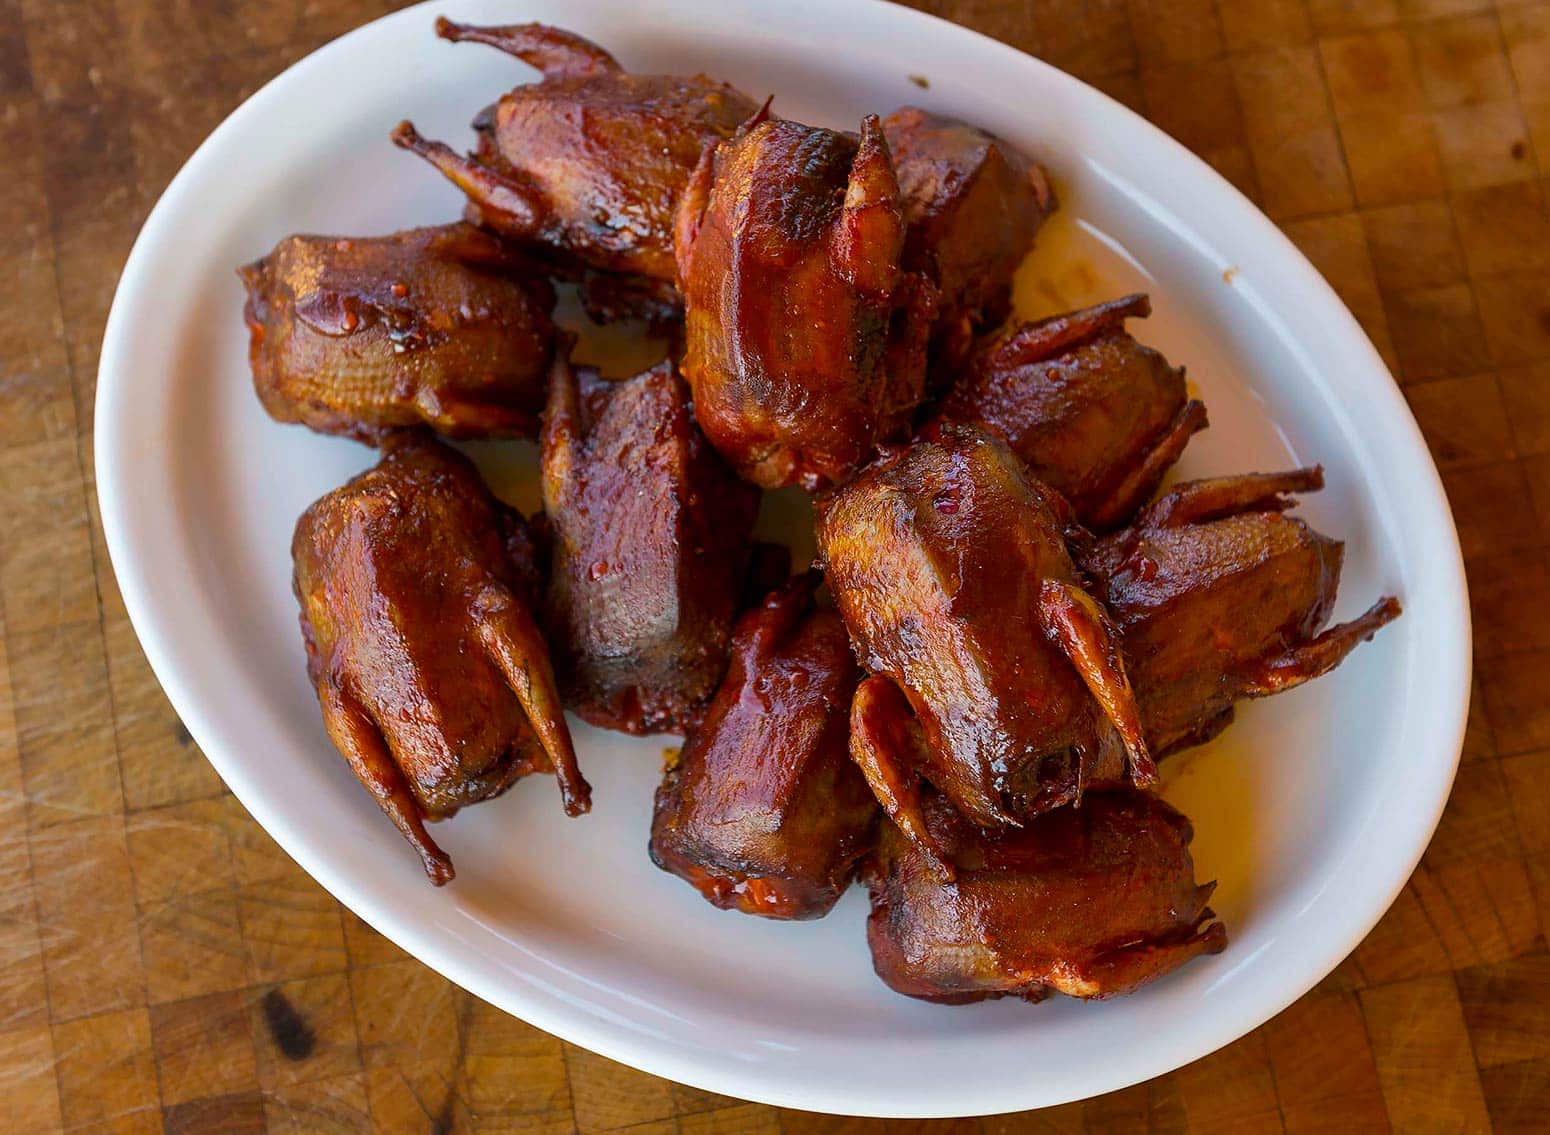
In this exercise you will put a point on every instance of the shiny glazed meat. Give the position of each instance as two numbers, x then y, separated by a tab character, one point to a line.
415	587
805	343
1220	596
1092	901
972	205
1095	414
764	811
997	678
649	544
588	163
360	335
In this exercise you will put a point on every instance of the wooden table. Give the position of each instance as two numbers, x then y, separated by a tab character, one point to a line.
164	967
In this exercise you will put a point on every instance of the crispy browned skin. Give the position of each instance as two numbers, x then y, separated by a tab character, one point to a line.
415	586
649	544
360	335
804	340
950	569
1095	414
589	162
765	812
1091	901
972	205
1220	596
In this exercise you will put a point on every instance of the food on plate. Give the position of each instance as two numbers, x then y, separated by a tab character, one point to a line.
1015	634
444	327
588	163
417	590
649	535
972	205
951	571
764	811
1091	901
804	337
1095	414
1220	596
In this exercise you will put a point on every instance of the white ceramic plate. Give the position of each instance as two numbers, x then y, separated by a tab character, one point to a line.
1311	811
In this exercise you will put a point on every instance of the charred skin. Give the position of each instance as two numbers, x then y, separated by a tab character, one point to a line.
972	206
951	571
1221	596
649	542
764	812
589	162
1096	415
1092	901
797	343
416	589
442	327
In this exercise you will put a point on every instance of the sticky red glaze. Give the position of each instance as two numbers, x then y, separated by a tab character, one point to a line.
650	542
587	164
1092	411
412	581
764	811
1220	596
789	241
972	204
936	555
1091	901
360	335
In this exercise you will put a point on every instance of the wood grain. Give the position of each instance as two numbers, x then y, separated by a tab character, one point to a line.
164	967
